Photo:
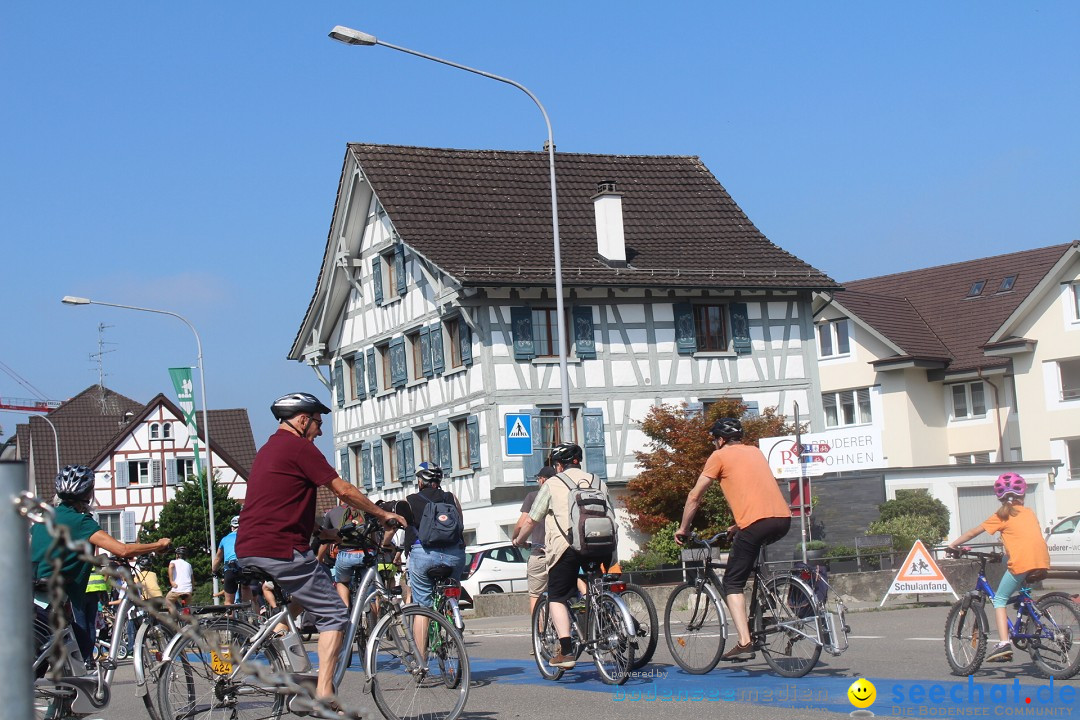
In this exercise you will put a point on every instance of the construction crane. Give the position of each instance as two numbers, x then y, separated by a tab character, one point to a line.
28	406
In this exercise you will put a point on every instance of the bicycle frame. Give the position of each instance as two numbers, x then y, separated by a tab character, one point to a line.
597	589
1025	605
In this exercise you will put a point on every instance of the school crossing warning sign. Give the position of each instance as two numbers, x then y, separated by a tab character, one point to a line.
919	574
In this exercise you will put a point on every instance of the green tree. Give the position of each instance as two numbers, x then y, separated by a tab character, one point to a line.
920	504
185	519
679	444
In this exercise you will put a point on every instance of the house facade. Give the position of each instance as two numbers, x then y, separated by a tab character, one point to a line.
434	315
969	363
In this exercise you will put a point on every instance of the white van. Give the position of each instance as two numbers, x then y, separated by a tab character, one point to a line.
1063	539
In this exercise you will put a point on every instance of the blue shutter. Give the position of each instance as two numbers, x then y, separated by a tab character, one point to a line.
372	373
399	448
584	341
465	340
522	333
410	458
446	461
122	480
155	473
346	471
685	333
377	461
127	526
339	383
170	471
399	268
399	370
435	337
473	426
740	328
376	275
359	378
365	465
532	463
695	409
752	409
595	456
425	352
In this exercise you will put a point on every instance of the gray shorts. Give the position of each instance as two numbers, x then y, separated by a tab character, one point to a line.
537	573
308	584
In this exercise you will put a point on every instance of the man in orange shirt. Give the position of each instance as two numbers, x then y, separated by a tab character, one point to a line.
762	515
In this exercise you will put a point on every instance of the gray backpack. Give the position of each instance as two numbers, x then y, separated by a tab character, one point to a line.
592	532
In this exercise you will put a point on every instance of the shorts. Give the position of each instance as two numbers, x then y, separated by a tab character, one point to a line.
174	595
537	572
232	578
562	576
746	547
308	584
348	563
421	560
1008	586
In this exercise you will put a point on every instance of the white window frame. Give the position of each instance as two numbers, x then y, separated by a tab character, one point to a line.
862	414
166	431
1072	393
828	331
969	405
183	464
977	458
112	522
136	477
155	431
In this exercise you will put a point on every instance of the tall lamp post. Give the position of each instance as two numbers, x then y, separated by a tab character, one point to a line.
355	37
56	438
69	300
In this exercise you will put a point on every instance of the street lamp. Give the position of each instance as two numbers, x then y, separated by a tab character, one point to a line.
70	300
355	37
56	438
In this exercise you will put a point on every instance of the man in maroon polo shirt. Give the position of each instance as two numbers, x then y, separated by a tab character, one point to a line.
279	516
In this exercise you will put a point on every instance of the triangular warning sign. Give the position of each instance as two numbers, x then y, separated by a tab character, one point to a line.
919	574
518	431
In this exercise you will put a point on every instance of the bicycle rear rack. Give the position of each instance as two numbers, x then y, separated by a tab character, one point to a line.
836	629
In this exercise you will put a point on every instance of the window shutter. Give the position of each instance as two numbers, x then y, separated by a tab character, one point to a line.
377	461
473	425
595	457
584	341
376	275
425	352
372	373
170	471
359	380
752	410
346	471
410	458
127	526
532	463
740	328
399	373
155	473
122	480
685	334
399	268
446	460
399	448
365	465
339	383
465	339
695	409
435	336
521	330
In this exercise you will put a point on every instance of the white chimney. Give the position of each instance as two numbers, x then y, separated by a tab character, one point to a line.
610	242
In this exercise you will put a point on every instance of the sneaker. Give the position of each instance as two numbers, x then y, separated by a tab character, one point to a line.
740	652
562	661
1001	653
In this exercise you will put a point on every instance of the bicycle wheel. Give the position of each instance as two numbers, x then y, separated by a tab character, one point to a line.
695	626
198	682
545	640
965	637
790	625
150	642
647	627
614	651
405	685
1057	656
48	704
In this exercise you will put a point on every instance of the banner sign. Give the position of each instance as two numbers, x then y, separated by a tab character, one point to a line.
836	450
185	395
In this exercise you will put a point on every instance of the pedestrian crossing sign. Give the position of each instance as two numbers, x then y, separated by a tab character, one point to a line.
519	434
919	574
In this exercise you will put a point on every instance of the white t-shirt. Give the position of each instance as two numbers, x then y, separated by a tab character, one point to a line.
181	574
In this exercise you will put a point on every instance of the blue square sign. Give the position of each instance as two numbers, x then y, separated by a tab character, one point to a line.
519	434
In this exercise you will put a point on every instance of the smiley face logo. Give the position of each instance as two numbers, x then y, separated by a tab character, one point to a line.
862	693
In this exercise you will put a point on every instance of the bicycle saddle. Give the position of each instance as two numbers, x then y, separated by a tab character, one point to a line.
440	572
250	574
1035	576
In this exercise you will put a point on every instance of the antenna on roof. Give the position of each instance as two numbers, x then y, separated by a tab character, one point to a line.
99	356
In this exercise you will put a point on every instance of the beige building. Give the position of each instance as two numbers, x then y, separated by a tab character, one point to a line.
970	363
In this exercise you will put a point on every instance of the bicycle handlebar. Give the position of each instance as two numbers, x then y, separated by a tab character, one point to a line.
966	551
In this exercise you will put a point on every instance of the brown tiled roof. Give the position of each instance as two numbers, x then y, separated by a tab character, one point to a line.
928	312
484	217
230	432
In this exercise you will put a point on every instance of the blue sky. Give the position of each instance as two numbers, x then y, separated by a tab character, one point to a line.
185	156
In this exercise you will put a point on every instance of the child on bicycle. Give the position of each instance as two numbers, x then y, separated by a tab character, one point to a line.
1024	545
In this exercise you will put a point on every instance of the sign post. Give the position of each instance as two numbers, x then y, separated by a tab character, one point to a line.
519	440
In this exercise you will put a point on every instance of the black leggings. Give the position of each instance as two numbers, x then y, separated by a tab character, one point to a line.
745	548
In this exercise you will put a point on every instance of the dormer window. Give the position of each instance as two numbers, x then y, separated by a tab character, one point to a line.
976	288
1007	283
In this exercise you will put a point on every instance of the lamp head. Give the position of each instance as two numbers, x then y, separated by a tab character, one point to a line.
72	300
351	37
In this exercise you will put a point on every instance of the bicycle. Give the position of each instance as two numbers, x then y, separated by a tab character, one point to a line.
604	627
646	625
787	622
444	595
1048	629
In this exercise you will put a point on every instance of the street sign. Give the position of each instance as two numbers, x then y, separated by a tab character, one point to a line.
519	434
919	575
834	450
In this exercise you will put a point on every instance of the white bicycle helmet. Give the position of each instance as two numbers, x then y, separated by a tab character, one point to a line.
292	404
74	482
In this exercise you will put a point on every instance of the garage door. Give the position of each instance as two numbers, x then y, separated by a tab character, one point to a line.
978	503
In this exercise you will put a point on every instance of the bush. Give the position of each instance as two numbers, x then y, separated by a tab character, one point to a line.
812	545
918	503
660	549
643	560
906	529
840	551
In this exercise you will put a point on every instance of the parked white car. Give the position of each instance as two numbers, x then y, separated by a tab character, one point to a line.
1063	539
495	568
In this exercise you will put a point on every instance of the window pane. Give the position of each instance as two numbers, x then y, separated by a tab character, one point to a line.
709	322
452	330
847	405
1070	379
978	400
959	401
545	333
843	346
461	430
421	446
863	398
824	334
1074	457
1076	301
829	403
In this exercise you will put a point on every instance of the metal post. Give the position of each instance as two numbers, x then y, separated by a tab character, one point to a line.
16	692
804	503
56	439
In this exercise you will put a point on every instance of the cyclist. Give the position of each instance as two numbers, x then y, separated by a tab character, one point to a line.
537	564
181	579
75	491
563	562
1024	544
761	513
226	554
279	515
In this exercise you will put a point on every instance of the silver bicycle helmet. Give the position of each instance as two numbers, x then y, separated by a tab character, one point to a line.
565	453
727	428
74	482
235	522
292	404
428	473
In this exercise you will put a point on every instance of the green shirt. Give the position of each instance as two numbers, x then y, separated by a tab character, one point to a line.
76	572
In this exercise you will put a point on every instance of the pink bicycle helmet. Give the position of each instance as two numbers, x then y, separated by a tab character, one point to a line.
1010	483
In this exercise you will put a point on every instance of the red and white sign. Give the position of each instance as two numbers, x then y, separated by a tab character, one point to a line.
920	574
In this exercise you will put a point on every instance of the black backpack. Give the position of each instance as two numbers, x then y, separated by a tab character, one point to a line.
441	524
